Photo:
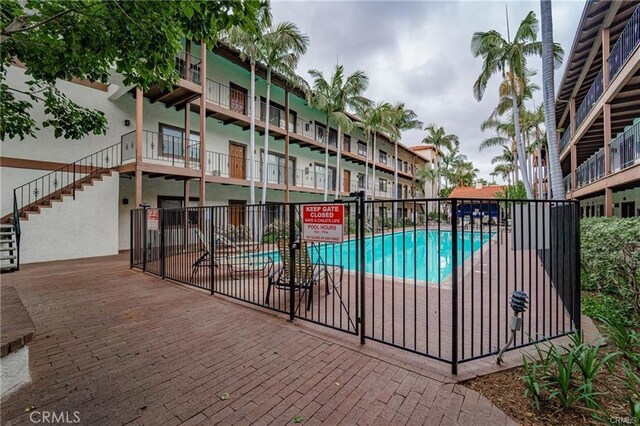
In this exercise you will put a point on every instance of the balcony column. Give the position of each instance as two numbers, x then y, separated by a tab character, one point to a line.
203	119
605	56
187	61
187	133
607	139
574	167
139	127
572	117
608	202
286	146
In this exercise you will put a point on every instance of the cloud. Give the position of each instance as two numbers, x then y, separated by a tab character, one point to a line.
419	53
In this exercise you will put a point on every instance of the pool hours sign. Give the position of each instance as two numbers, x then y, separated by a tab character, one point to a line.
323	223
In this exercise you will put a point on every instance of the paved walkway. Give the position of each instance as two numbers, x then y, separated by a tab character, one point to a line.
120	347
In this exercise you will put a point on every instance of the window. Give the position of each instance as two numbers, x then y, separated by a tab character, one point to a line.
333	137
362	149
176	217
406	167
320	130
293	121
382	157
346	143
361	181
275	168
172	142
319	176
383	185
276	113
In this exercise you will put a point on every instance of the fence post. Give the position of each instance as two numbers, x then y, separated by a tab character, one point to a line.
576	258
144	236
213	250
360	219
292	261
454	286
162	250
74	180
131	215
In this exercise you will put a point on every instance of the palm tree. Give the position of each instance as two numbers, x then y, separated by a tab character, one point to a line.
282	46
507	163
248	41
375	119
439	139
509	58
333	98
549	59
402	119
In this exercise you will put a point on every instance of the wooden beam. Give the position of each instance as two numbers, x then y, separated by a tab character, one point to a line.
139	124
203	121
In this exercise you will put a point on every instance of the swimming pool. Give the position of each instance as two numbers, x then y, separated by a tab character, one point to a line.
423	255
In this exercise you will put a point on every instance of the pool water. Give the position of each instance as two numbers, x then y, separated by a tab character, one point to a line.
423	255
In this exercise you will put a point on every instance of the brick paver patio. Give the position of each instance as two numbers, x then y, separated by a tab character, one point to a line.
119	347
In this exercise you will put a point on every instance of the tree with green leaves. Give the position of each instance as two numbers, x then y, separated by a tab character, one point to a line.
509	59
401	119
438	138
249	41
89	39
282	45
333	98
549	63
376	120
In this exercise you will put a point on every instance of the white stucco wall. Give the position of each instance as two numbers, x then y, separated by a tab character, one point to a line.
84	227
11	178
14	371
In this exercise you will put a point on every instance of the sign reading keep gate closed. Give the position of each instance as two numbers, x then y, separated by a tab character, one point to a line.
153	219
323	223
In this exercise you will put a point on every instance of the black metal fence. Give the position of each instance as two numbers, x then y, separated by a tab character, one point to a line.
431	276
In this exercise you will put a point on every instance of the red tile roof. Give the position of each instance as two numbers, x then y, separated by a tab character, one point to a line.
489	191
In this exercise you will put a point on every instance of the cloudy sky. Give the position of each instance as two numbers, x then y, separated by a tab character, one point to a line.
418	52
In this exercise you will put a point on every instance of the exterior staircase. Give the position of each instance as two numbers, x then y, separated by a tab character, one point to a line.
8	248
43	192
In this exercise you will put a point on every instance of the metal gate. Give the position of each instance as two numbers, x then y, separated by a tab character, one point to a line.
429	276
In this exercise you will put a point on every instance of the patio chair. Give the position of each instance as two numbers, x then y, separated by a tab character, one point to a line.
205	258
306	271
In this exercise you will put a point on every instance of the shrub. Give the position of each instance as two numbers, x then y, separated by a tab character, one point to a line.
610	257
597	305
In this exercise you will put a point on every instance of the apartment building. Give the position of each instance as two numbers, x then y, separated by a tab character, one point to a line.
598	108
187	145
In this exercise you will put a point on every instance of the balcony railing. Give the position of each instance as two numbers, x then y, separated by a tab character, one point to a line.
591	170
566	137
625	149
162	149
625	45
592	96
188	67
567	183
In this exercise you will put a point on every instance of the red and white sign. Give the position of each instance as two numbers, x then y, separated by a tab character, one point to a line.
153	219
323	223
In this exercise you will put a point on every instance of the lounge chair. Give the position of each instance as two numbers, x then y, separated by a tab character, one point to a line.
306	271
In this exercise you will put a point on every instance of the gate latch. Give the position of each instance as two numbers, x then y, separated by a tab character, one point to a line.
295	245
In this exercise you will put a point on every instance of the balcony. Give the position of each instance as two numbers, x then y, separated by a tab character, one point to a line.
625	149
625	45
188	67
591	170
161	149
592	96
566	137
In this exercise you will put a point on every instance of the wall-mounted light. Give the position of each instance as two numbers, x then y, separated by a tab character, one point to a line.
127	123
306	170
306	127
125	201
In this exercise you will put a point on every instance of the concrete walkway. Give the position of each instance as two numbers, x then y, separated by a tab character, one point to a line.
117	347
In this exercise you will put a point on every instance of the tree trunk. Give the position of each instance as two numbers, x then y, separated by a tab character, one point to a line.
540	173
373	162
366	170
395	171
265	164
555	170
519	145
338	160
252	136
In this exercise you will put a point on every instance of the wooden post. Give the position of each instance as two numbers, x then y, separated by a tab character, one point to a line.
203	119
138	181
187	60
572	117
187	133
286	146
605	57
139	125
607	138
574	167
608	202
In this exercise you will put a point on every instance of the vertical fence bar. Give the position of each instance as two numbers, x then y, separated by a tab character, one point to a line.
213	249
144	238
454	286
131	228
360	219
576	260
292	260
162	241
